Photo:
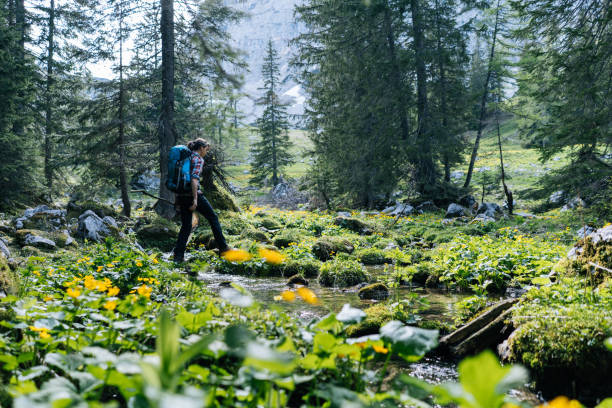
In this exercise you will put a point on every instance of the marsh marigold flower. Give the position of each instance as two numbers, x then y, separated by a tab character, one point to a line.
561	402
288	295
75	293
144	290
380	349
271	256
308	295
110	305
114	291
236	255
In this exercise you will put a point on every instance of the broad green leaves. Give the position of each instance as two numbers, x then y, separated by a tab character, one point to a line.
411	343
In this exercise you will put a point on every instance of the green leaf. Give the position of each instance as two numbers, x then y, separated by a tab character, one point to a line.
324	342
541	281
608	343
350	315
411	343
329	323
264	358
193	322
607	403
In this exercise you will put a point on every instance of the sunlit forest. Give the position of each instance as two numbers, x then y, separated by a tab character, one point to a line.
306	203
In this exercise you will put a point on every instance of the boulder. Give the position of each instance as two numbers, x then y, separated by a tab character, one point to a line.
101	210
39	242
584	231
556	197
402	209
574	203
592	255
468	201
149	180
4	250
94	228
353	224
326	248
297	280
427	206
375	291
490	210
455	211
483	218
158	233
8	283
41	217
343	214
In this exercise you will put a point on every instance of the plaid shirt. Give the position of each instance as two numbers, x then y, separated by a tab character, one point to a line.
197	163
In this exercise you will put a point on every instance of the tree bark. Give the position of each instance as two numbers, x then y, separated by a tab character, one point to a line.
483	103
396	75
507	192
48	96
167	131
125	198
443	106
425	166
20	23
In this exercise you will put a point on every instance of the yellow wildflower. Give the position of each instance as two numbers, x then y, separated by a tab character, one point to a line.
48	298
308	295
380	349
138	264
144	290
36	273
99	268
288	296
44	334
271	256
101	286
110	305
236	255
561	402
114	291
155	261
90	283
110	265
75	293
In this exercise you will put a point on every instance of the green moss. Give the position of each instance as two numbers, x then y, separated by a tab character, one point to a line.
8	279
383	243
416	274
307	267
342	273
158	233
354	224
101	210
373	256
220	199
287	236
599	254
234	225
269	223
376	291
376	316
255	234
326	248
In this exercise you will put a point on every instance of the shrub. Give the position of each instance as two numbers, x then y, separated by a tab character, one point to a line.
325	248
373	256
287	236
307	267
342	273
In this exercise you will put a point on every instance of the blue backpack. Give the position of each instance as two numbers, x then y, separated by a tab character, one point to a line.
179	170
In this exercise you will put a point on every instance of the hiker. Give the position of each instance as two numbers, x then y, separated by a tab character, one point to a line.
187	203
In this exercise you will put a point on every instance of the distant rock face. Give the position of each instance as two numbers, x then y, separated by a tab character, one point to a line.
267	20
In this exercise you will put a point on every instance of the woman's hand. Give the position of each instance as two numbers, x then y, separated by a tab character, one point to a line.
193	205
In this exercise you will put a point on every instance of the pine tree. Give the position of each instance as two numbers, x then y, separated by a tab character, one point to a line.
564	89
271	153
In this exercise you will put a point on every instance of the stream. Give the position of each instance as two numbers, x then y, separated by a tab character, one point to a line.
440	306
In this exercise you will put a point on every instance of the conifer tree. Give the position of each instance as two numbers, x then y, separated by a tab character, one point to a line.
272	151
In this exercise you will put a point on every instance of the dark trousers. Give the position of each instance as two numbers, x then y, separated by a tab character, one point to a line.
207	211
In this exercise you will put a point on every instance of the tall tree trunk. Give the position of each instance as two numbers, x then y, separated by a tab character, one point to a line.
167	132
483	102
507	192
20	23
125	198
48	96
396	76
443	106
425	166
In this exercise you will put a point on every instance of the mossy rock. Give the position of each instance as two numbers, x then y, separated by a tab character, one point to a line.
158	233
287	236
220	199
306	267
60	238
594	249
297	280
101	210
566	355
354	224
373	256
342	273
44	221
8	279
376	317
233	225
28	251
416	274
269	223
375	291
384	243
255	235
326	248
203	238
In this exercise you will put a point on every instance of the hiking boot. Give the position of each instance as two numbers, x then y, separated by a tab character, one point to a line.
222	251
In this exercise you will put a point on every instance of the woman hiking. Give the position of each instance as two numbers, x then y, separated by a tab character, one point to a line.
186	204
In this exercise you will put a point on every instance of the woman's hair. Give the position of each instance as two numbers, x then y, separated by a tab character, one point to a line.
195	145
